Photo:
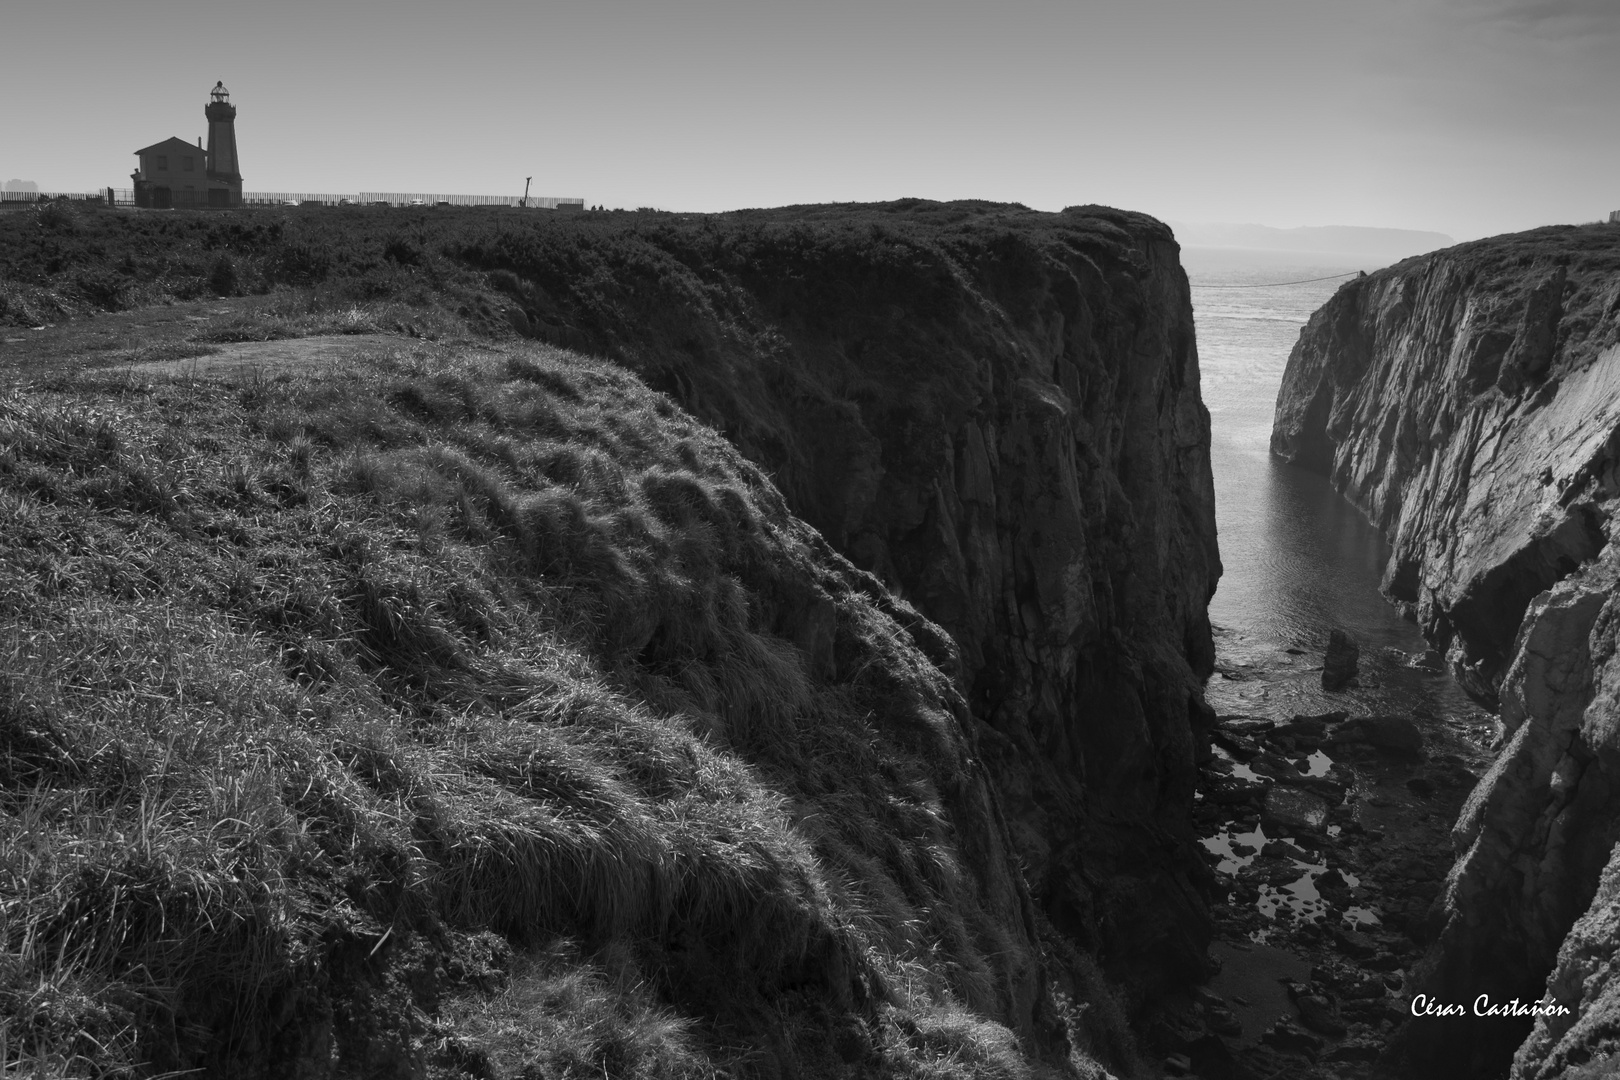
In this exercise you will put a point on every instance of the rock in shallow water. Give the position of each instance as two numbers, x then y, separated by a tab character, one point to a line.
1290	810
1342	662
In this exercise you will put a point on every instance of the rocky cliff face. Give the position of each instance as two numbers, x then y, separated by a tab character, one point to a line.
1469	402
997	412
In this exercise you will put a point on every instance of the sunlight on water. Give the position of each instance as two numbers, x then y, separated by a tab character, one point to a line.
1299	560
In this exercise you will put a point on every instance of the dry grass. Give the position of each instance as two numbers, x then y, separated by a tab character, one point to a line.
312	684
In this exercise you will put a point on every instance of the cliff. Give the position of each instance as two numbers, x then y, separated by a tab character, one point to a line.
1469	402
891	601
997	412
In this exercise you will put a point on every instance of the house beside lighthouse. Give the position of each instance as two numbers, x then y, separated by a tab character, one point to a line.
173	173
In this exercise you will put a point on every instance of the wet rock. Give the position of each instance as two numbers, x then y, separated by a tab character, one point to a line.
1287	1035
1274	873
1333	887
1239	746
1236	794
1428	660
1355	943
1247	726
1320	1014
1311	726
1398	735
1274	766
1366	988
1281	849
1288	809
1341	663
1327	788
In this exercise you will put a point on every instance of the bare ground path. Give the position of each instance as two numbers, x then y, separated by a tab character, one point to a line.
205	338
266	357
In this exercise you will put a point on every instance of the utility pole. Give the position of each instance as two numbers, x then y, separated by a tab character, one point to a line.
525	201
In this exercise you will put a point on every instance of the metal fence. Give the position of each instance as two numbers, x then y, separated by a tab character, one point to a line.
26	198
292	198
540	202
405	198
126	197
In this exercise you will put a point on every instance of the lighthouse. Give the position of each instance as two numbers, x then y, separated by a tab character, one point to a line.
224	171
168	176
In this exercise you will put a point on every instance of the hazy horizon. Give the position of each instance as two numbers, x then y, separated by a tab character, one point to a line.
1463	117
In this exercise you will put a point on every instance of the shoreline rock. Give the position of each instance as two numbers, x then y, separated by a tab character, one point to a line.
1341	663
1336	1020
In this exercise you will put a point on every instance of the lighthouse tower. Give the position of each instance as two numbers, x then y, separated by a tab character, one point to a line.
224	171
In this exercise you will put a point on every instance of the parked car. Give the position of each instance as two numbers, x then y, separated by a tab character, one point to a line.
417	202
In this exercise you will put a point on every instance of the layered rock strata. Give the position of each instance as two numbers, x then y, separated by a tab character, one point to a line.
997	412
1469	403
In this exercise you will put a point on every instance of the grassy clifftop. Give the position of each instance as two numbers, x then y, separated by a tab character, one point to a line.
477	710
545	712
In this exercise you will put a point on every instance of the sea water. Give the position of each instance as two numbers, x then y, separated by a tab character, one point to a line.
1299	560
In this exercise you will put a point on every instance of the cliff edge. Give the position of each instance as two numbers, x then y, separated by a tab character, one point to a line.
1469	402
997	412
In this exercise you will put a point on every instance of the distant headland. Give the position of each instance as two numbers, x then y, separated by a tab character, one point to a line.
1338	239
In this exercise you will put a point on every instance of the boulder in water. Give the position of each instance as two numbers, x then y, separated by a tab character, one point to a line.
1342	662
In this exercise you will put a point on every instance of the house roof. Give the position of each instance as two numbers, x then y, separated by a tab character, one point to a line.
171	145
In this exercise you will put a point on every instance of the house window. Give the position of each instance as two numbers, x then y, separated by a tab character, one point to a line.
186	162
163	163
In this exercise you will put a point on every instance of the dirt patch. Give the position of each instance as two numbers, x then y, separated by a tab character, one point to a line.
265	357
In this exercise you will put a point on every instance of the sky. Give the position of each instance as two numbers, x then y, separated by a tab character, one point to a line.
1468	117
